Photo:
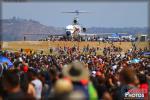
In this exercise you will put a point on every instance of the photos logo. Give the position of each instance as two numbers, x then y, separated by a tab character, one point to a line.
135	94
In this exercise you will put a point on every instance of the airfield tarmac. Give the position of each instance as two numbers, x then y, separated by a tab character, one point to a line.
45	45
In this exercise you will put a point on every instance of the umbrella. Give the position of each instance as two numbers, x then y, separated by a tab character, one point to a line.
6	60
135	60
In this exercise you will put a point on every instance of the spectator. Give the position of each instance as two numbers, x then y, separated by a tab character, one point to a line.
127	79
79	76
37	84
26	85
11	85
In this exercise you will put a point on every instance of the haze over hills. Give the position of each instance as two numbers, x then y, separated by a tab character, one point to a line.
18	27
15	28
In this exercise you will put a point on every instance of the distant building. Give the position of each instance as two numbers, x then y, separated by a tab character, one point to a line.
143	37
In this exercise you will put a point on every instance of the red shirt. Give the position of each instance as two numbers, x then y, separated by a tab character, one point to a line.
144	86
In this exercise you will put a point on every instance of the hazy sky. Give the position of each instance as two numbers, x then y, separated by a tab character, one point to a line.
102	14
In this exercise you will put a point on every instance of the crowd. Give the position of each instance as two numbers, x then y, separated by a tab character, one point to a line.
76	74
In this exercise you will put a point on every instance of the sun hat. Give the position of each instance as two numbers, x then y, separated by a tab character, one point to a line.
76	71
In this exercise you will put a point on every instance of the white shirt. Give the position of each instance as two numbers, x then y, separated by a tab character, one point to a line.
38	88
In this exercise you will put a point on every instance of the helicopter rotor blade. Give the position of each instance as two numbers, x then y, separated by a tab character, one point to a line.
69	12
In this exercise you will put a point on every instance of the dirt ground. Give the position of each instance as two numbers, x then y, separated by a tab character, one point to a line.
45	45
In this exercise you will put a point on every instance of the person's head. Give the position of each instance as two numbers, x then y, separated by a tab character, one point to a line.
142	78
63	86
53	75
32	74
42	77
127	76
10	80
101	79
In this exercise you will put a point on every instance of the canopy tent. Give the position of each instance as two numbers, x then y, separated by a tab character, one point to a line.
115	35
